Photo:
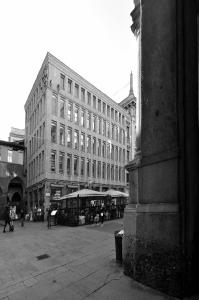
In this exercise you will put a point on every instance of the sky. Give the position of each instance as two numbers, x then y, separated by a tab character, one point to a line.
92	37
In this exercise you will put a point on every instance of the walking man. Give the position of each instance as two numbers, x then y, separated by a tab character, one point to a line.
22	217
7	218
49	217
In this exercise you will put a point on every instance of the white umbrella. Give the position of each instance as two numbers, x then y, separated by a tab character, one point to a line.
116	194
83	194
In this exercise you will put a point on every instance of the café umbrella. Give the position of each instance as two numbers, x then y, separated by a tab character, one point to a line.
116	194
85	193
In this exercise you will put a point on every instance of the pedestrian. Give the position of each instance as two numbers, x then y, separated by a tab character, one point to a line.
49	217
7	218
22	217
102	217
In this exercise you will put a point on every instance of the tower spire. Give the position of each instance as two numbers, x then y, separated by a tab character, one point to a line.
131	84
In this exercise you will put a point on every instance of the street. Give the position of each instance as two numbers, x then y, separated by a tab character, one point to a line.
65	263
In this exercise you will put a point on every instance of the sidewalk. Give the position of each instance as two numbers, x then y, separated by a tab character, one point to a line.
76	263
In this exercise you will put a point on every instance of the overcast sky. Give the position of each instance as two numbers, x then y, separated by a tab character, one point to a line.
92	37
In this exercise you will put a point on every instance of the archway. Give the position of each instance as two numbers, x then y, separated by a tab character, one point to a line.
15	193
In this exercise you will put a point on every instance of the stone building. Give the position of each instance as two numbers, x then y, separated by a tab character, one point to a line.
129	104
161	241
12	176
75	136
16	134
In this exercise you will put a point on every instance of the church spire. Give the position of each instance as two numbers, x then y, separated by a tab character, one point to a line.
131	84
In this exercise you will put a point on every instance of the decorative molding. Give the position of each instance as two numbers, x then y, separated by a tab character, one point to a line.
155	158
152	208
135	14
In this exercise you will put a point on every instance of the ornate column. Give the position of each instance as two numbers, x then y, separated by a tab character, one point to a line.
160	223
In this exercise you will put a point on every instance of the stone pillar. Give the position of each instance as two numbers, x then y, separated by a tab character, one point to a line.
160	223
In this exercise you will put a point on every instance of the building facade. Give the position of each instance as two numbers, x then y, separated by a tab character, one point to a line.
75	136
16	134
12	176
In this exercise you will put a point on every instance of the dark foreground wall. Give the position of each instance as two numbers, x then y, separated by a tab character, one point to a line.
161	221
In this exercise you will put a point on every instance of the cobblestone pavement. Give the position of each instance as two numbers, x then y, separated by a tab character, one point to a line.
76	263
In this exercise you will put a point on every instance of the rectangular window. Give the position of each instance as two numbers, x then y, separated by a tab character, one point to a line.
82	141
104	108
69	86
113	132
112	172
104	128
108	111
88	167
108	130
99	105
83	94
94	169
108	150
68	164
54	105
99	125
108	172
99	148
94	126
94	102
43	133
39	162
76	90
76	162
120	118
62	134
112	152
120	154
104	171
104	149
123	136
53	161
62	81
128	132
112	113
76	114
94	145
61	108
116	133
116	173
70	109
82	168
89	120
69	137
82	117
61	162
99	169
10	156
88	144
53	132
120	135
123	156
128	156
116	116
89	98
123	120
42	158
116	153
76	139
120	173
